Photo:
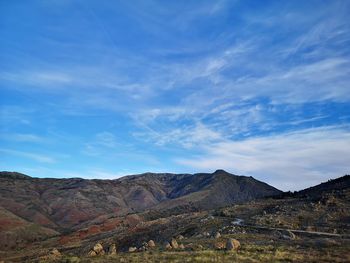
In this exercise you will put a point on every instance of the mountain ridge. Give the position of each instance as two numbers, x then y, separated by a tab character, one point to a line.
66	203
129	210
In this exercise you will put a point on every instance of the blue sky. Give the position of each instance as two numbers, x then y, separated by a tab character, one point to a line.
101	89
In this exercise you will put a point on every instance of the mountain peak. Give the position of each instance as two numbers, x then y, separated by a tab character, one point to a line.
220	171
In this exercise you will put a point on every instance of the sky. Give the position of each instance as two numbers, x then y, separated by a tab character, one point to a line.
102	89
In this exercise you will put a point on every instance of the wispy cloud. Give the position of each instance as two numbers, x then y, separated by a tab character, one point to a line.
187	137
99	144
290	161
41	158
163	78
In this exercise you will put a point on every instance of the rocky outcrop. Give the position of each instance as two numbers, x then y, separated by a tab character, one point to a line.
97	250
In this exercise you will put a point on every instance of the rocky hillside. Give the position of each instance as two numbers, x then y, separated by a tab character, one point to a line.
69	218
66	204
316	191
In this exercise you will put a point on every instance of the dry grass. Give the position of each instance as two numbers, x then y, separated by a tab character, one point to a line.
248	253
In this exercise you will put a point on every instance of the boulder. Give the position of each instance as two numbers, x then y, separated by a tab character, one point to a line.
168	246
151	243
55	253
181	246
219	245
232	244
174	243
217	235
92	253
112	250
206	234
132	249
98	248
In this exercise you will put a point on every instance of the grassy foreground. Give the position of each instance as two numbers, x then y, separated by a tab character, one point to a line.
248	253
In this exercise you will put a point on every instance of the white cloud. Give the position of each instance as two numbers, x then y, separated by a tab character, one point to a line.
187	137
289	161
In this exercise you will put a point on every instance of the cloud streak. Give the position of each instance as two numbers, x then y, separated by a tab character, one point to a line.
290	161
30	155
203	84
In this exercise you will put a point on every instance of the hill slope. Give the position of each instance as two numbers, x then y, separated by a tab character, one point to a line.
65	204
329	186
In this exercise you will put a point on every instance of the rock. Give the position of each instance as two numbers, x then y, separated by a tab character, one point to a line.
219	245
168	246
232	244
217	235
180	237
174	243
132	249
181	246
206	234
92	253
284	234
98	248
151	243
142	248
112	249
55	253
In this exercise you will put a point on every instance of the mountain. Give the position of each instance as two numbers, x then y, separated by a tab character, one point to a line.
39	215
329	186
15	230
66	204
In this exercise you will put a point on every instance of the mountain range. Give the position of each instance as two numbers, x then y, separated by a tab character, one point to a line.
73	213
64	204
